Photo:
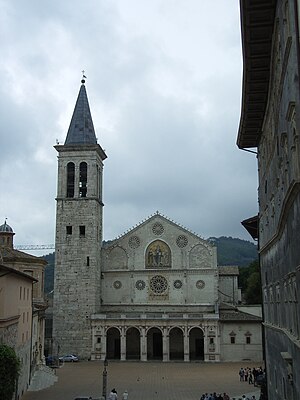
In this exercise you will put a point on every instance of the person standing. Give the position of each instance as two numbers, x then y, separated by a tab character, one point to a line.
113	395
125	395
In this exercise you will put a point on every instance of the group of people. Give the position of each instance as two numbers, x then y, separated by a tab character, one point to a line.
250	375
214	396
113	395
224	396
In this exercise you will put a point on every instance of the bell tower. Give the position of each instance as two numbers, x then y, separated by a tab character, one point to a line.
78	238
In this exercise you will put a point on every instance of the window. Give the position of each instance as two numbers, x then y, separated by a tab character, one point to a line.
88	261
69	230
70	179
211	340
232	339
82	230
248	339
20	292
83	179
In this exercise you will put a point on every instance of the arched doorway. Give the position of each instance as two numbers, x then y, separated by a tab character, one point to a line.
176	344
154	344
113	344
133	344
196	344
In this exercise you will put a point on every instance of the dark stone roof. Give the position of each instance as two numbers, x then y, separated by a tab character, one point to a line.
231	313
257	24
81	129
4	270
228	270
11	255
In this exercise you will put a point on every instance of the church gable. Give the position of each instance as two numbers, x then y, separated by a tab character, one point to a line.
159	243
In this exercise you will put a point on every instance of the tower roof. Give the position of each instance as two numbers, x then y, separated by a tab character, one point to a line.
81	129
6	228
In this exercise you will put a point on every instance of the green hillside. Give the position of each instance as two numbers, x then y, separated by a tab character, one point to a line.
234	251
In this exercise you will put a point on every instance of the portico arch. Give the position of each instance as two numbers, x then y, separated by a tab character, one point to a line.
113	346
133	346
176	349
196	342
154	344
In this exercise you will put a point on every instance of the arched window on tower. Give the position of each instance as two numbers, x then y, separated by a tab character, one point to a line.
83	179
70	179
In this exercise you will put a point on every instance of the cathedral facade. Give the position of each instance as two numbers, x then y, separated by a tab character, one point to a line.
155	293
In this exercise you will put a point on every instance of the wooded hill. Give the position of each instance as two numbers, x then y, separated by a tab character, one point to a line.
231	251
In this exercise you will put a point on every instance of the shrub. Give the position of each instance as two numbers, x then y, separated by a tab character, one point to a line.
9	371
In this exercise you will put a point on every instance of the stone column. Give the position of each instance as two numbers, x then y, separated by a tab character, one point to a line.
123	344
186	345
143	344
166	345
206	339
103	344
76	181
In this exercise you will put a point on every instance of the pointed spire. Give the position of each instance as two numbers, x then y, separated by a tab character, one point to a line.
81	129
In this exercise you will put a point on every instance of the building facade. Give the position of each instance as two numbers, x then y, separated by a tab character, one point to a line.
16	320
155	293
25	304
270	123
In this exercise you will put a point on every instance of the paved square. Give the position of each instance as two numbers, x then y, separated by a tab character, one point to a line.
146	381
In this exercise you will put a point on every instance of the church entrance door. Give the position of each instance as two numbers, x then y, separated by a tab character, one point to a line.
154	344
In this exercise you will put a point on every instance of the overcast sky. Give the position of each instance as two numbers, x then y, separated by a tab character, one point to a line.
164	87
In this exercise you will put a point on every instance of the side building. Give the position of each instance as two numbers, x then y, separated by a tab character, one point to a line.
270	122
29	324
16	320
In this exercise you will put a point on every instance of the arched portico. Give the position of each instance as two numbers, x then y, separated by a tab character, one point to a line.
196	344
154	344
133	344
176	348
113	346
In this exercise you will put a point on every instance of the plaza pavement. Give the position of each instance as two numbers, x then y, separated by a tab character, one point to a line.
147	381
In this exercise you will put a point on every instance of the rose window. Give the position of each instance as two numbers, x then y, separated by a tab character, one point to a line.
157	229
117	284
134	242
200	284
140	285
182	241
158	284
177	284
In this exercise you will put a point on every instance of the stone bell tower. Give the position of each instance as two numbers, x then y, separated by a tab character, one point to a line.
78	232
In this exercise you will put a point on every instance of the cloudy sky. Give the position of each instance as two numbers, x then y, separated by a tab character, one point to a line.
164	87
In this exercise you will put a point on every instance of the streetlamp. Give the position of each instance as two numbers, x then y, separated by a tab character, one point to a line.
104	379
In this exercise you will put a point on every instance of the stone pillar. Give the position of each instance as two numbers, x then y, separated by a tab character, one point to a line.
76	181
123	344
206	339
143	344
166	345
186	344
103	342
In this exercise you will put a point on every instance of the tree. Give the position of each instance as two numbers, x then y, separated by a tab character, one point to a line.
9	371
250	282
